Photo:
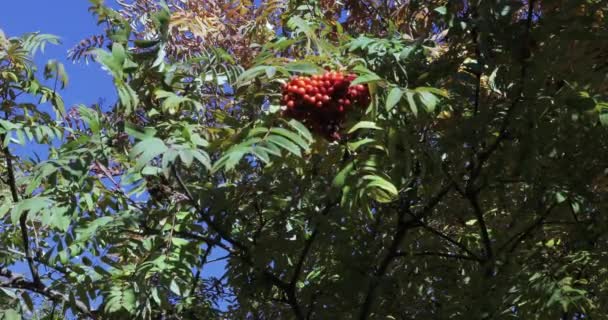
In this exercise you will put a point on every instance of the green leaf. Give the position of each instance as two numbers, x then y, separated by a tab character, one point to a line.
471	222
174	287
604	119
341	177
302	130
5	208
393	98
428	100
129	299
261	153
147	150
303	67
292	136
364	125
168	159
285	144
179	242
251	74
10	314
150	170
353	146
412	102
186	157
203	158
383	191
300	25
366	78
560	197
441	10
31	205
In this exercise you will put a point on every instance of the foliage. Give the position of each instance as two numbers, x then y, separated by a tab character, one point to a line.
472	186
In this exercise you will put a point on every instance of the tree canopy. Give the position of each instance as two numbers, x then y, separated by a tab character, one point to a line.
468	178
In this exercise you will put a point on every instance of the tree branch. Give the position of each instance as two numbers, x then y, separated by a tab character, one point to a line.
449	239
246	255
516	239
18	281
483	230
307	247
222	233
12	182
437	254
402	228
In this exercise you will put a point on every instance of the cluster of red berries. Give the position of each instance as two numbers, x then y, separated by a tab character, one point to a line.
322	101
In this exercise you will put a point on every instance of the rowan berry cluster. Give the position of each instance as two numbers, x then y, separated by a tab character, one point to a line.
323	101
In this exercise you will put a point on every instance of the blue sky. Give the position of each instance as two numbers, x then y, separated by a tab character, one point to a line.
71	21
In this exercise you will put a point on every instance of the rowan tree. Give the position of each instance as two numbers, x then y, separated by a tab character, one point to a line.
468	181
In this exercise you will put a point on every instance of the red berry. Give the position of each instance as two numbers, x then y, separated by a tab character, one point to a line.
291	103
319	104
326	98
301	90
346	102
308	88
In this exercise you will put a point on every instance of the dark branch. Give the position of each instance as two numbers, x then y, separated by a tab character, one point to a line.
204	217
246	255
449	239
18	281
483	228
437	254
517	239
12	182
402	228
307	247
